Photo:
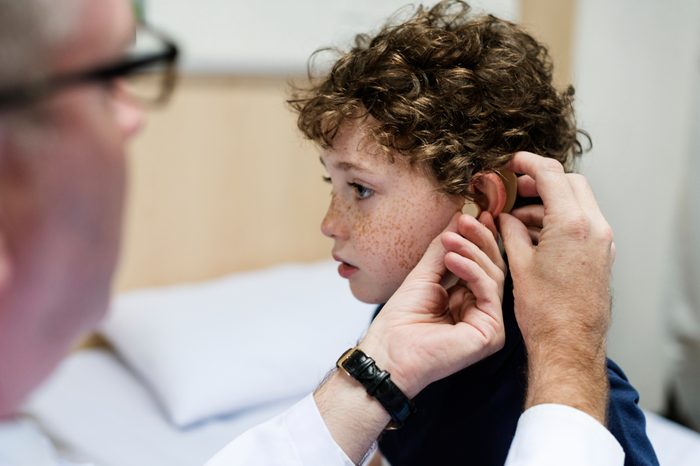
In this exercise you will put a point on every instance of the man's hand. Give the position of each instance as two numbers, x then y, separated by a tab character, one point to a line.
560	255
424	332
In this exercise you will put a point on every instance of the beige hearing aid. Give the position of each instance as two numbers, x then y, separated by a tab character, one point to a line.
510	181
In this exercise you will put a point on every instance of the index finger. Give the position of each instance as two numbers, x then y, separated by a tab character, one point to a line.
550	179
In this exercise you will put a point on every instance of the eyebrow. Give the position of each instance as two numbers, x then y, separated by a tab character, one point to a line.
346	166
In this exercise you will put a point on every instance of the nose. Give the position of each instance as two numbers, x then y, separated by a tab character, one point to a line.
332	224
129	113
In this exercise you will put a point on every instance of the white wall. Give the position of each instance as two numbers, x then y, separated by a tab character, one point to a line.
274	36
635	65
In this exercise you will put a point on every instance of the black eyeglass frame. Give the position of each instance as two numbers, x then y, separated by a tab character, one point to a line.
26	94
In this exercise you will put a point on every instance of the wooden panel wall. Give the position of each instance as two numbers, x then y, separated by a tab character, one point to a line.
552	22
221	181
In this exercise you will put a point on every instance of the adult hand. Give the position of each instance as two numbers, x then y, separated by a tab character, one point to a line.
424	332
560	255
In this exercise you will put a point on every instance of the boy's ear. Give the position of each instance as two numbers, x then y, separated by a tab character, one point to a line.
496	191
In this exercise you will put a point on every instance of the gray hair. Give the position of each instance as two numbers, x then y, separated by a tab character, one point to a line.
28	31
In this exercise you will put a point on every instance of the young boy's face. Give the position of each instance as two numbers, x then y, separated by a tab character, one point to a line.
382	215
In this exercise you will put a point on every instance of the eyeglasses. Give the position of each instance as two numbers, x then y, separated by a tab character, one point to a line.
148	72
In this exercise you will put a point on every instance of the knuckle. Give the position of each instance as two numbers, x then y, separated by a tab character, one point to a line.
492	287
494	334
579	226
613	251
499	271
552	165
497	338
577	178
607	234
442	238
604	234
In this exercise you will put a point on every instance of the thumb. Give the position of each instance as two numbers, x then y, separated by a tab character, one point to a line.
431	267
516	240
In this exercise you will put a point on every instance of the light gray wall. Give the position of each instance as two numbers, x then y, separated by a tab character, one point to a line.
275	36
636	63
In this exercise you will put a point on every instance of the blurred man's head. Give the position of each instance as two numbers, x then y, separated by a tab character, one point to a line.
62	179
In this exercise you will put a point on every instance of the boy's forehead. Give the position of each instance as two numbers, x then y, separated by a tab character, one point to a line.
345	162
354	147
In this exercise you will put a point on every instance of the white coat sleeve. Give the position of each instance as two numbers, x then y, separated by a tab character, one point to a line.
553	434
294	438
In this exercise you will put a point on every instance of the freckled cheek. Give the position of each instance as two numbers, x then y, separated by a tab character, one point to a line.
389	242
411	231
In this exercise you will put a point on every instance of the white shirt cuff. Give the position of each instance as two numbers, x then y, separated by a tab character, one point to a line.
297	437
311	437
553	434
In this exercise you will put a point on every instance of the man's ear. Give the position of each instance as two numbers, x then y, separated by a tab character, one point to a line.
6	263
6	259
496	191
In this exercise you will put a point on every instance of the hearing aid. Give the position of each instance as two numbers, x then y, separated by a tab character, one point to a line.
510	183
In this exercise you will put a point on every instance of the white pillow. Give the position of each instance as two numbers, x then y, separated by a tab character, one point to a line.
217	347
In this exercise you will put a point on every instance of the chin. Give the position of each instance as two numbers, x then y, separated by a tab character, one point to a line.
369	295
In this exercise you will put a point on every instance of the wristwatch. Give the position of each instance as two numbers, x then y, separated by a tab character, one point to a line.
378	384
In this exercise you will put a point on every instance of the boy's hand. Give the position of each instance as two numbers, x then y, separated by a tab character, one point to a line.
560	256
425	333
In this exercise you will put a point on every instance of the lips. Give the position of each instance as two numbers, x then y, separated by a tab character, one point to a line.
345	269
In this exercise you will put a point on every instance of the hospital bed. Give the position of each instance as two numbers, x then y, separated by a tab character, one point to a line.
189	367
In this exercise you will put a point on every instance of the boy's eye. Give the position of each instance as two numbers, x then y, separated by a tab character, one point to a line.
362	192
326	179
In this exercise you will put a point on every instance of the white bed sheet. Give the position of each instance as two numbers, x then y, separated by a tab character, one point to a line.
215	347
100	412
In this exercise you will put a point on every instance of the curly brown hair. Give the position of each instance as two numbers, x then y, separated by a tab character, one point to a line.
456	93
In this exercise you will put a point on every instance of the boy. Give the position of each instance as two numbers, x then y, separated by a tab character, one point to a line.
414	122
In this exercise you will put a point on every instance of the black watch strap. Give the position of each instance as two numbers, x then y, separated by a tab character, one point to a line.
378	384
